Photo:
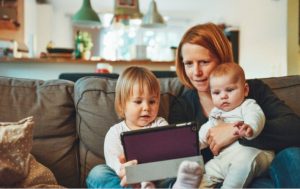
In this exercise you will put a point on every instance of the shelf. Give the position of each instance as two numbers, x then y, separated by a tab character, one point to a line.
50	68
63	60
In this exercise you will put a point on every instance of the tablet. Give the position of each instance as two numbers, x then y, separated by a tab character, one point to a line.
161	143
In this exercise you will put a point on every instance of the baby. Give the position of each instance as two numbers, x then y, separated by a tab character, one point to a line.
236	165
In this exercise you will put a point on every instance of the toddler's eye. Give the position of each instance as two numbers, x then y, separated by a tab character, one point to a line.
152	101
137	101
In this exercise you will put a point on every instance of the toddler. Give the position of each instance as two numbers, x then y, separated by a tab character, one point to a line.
137	103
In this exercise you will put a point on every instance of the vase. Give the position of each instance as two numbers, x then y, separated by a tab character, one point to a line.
86	55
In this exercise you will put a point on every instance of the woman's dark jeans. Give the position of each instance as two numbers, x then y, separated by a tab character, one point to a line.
284	171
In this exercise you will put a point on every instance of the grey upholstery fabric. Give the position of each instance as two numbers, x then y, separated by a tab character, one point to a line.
94	102
51	104
287	89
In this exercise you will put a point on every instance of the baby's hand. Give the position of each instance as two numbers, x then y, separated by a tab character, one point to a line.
243	130
122	173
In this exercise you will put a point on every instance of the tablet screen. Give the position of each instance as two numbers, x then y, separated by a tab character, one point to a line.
161	143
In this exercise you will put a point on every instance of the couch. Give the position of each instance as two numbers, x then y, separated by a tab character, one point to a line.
71	119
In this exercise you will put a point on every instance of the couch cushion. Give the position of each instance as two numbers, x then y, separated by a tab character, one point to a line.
287	88
51	104
94	101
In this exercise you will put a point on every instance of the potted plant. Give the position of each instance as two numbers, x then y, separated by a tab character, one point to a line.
84	45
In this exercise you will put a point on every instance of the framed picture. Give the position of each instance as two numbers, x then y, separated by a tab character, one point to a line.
126	3
125	9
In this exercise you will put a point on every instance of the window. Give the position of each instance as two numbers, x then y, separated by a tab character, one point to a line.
119	42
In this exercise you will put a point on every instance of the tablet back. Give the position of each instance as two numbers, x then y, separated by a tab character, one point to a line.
161	143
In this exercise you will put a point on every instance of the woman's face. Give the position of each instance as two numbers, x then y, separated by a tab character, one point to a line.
198	63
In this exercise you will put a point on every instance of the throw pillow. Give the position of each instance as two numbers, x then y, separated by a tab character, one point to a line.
15	145
39	176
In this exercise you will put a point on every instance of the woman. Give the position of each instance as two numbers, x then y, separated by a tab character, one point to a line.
201	49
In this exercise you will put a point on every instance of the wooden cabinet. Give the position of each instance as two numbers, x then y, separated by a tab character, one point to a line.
12	20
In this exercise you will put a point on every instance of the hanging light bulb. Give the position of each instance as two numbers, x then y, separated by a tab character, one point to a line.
152	17
86	16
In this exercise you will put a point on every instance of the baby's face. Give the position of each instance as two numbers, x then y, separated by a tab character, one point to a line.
226	93
141	108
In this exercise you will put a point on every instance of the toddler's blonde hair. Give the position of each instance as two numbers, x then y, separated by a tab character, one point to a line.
124	88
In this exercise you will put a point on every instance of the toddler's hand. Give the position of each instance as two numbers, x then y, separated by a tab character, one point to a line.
122	173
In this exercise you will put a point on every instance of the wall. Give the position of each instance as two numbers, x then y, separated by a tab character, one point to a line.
263	26
30	12
293	41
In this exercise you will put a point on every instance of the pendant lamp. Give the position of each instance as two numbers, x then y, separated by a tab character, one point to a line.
86	16
152	17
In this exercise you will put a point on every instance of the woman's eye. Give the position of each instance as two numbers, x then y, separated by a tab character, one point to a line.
203	62
187	63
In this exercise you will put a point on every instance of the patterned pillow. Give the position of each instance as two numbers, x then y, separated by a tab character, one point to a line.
39	176
15	145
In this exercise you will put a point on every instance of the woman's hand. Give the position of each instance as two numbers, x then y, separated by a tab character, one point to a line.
122	173
221	136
